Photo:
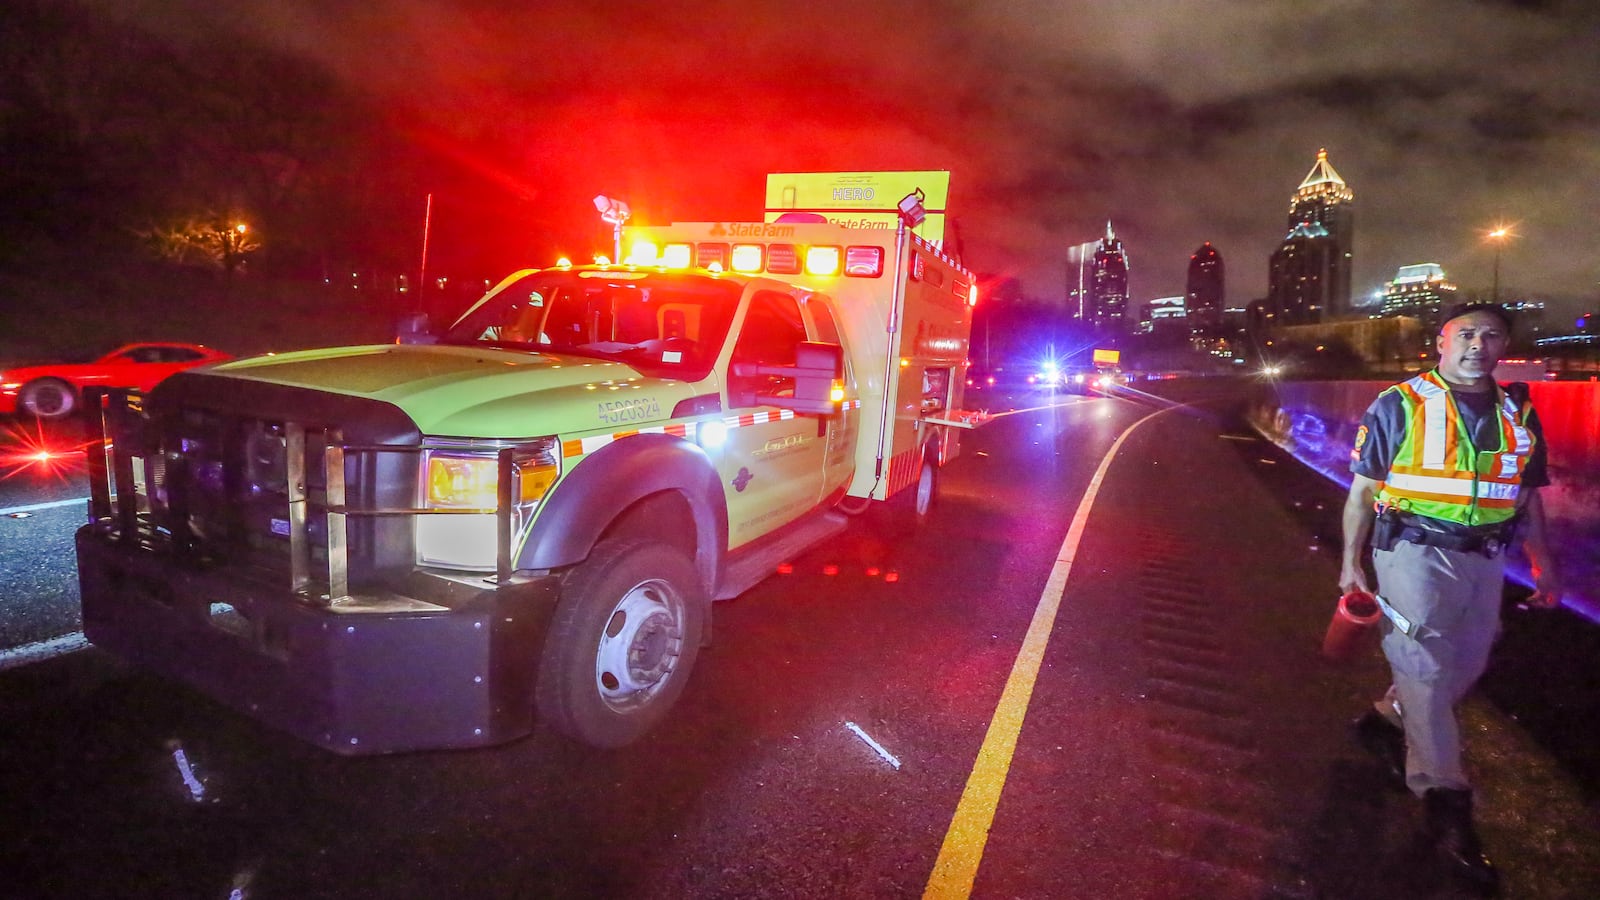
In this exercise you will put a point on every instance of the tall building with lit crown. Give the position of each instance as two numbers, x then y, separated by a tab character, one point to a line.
1108	284
1309	276
1203	294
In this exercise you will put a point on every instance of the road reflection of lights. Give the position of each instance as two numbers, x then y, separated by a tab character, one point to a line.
833	569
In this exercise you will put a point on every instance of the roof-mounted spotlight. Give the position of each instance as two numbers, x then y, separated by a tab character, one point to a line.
912	212
616	212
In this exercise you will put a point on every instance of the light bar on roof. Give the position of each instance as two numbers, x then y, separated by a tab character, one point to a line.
677	256
863	262
823	260
643	253
783	259
706	254
748	257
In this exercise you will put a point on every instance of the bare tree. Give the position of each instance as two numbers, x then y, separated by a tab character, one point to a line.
222	242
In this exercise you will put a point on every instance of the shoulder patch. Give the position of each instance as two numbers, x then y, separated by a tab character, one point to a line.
1361	441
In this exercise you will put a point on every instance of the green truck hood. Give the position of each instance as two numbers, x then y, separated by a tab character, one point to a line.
478	392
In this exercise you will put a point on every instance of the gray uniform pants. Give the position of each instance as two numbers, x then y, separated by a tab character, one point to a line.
1454	600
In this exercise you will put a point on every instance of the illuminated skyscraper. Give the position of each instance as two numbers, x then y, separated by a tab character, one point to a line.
1309	278
1419	291
1108	284
1203	295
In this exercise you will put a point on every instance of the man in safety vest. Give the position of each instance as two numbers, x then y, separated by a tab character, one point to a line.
1452	463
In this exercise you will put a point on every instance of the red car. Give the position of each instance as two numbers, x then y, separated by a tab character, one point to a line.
52	390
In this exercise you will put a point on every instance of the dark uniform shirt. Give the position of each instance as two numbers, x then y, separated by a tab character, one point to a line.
1383	428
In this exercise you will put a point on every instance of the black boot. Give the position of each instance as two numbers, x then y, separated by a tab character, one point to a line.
1387	744
1456	841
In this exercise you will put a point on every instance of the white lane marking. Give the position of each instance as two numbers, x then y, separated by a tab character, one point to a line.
876	747
197	790
37	506
41	650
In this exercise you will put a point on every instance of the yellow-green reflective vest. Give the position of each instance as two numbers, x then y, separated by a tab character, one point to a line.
1438	472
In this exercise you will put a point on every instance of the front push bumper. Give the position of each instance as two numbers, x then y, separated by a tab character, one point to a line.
351	679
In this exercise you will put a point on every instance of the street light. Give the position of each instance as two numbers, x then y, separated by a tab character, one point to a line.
1498	235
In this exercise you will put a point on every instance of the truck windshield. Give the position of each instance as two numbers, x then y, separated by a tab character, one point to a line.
668	326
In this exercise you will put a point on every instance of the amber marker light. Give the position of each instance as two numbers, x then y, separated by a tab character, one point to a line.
676	256
822	260
748	257
644	253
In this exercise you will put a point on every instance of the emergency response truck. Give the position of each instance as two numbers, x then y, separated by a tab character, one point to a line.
420	545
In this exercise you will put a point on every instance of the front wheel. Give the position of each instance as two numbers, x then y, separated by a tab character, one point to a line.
622	643
48	398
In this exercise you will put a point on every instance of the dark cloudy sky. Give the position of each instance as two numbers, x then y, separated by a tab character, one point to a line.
1182	122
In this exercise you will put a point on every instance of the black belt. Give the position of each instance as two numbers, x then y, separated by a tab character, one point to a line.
1489	544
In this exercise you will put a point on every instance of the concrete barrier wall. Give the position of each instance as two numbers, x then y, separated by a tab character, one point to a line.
1569	411
1317	420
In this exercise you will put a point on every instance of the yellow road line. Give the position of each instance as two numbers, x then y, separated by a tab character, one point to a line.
957	866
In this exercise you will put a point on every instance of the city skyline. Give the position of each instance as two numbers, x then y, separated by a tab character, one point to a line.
1452	118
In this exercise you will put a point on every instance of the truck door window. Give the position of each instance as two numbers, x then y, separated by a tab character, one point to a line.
826	327
772	331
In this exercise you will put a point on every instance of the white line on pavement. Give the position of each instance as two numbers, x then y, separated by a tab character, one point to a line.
40	651
36	506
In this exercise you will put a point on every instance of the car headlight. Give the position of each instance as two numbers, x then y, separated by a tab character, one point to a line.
468	481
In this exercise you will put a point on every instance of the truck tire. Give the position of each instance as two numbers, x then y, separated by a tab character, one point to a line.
622	643
48	398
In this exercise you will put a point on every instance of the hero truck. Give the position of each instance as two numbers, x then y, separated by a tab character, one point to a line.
528	516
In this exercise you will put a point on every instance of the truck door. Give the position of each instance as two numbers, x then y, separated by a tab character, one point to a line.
771	467
842	430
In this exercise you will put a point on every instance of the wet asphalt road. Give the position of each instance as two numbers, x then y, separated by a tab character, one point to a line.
1183	739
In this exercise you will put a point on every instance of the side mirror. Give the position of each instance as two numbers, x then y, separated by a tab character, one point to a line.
817	366
414	328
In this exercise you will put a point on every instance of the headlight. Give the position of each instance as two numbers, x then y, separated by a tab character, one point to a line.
468	479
